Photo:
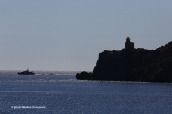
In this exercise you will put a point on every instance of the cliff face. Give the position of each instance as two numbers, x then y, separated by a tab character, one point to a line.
133	65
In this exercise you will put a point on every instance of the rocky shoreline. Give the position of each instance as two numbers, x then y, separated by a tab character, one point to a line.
133	65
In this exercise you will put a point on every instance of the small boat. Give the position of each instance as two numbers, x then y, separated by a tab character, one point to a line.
27	72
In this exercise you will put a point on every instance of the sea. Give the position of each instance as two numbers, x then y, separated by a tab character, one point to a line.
59	92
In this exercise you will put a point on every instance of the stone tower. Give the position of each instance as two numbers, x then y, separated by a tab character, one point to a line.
128	44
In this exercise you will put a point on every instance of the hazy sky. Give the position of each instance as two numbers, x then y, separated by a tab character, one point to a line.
69	34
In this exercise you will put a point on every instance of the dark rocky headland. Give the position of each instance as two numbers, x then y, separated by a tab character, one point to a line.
132	64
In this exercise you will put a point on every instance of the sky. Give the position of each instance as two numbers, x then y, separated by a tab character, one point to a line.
68	35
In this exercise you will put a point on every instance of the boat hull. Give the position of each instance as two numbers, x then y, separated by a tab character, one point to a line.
19	73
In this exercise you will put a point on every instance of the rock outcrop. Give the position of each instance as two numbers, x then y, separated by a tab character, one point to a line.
133	65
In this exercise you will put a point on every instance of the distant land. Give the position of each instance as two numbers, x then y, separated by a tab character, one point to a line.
132	64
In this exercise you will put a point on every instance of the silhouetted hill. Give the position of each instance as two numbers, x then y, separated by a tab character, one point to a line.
133	65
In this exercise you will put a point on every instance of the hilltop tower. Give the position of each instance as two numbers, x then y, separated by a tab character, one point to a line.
128	44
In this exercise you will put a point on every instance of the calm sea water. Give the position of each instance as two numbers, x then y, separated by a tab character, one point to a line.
62	93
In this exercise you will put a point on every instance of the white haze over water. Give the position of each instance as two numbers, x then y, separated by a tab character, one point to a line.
69	34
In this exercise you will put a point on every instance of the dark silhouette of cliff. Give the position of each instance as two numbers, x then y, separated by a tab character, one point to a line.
133	65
